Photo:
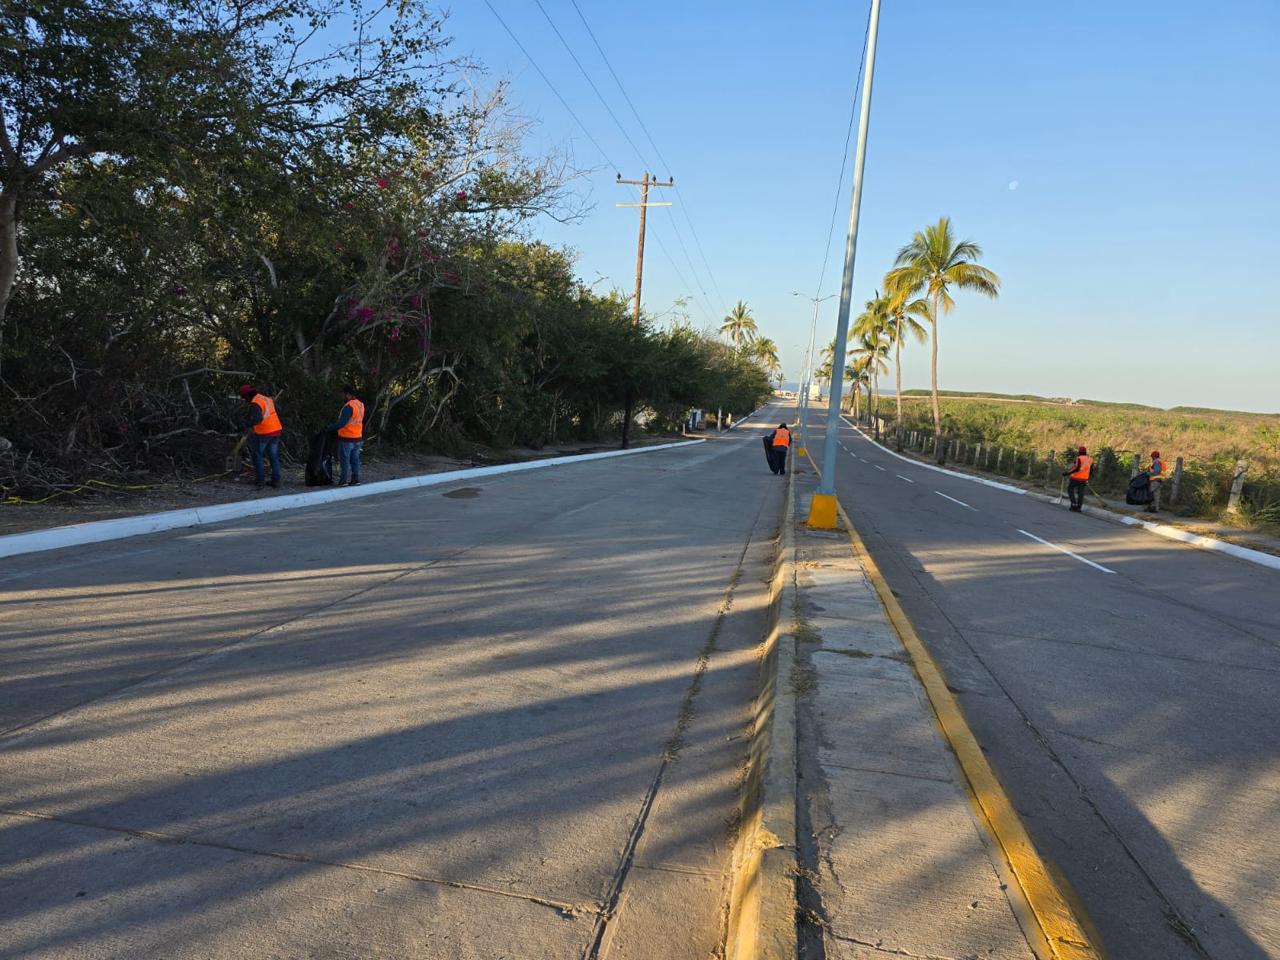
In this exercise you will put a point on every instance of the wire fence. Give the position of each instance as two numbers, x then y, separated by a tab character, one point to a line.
1249	489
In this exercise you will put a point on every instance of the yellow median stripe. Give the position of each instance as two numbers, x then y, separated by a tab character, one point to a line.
1063	932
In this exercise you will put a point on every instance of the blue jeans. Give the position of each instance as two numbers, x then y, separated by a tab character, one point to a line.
349	460
270	447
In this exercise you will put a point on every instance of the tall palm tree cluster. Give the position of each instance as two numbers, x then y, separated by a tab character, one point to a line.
917	290
740	329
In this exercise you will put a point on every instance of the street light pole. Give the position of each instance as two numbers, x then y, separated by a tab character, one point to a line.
822	509
808	372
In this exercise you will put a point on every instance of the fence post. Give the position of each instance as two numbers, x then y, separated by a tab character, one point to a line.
977	452
1177	481
1048	470
1237	485
1137	466
1031	463
999	457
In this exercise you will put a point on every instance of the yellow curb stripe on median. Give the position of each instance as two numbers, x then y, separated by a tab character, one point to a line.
1061	926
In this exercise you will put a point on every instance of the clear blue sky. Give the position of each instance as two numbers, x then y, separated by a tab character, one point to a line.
1118	163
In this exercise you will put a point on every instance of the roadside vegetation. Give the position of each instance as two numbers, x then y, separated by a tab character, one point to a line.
1024	436
1210	443
197	195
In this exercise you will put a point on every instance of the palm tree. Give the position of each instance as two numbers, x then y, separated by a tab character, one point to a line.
903	311
825	368
739	326
872	348
765	350
934	262
856	374
872	330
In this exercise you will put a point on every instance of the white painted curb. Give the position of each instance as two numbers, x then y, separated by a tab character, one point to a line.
99	530
1160	529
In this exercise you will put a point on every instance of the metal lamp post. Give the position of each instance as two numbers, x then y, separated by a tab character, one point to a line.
822	508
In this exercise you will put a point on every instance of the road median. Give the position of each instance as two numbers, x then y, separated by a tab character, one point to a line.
897	866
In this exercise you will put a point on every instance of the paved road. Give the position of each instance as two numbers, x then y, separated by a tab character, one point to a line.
1125	689
503	718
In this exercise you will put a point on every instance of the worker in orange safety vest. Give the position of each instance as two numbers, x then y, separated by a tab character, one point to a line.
350	431
262	424
781	443
1078	478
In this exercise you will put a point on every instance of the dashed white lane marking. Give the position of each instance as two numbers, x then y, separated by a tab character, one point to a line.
1096	566
878	467
954	500
901	477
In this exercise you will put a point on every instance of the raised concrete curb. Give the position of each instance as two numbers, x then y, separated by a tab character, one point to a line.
1159	529
119	529
762	907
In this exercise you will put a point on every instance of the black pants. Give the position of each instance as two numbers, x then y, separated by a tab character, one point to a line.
1075	490
779	459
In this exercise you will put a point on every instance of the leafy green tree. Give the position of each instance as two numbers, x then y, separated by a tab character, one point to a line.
192	84
935	262
739	325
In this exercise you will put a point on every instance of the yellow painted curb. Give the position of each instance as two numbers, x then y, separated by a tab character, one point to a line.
1058	927
762	898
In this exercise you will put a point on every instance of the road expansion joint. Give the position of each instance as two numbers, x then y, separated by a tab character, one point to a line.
562	907
598	944
65	715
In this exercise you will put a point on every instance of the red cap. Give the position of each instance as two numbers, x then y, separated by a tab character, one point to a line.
1083	450
247	390
1155	453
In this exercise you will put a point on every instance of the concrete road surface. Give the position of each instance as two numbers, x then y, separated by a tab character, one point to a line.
1124	686
503	718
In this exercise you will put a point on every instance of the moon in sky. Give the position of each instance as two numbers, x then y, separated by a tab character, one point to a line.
1013	184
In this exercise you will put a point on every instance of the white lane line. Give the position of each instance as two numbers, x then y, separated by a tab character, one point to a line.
878	467
1096	566
901	477
954	500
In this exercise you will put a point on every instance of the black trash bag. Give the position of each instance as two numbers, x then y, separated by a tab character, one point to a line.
324	447
769	455
1139	492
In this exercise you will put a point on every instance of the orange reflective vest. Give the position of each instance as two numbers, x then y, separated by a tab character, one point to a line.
353	429
782	437
1157	470
270	422
1083	465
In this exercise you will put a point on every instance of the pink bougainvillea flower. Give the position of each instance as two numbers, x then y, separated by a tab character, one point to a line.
462	194
381	182
364	315
349	205
395	334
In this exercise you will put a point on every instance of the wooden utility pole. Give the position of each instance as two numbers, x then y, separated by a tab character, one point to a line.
644	184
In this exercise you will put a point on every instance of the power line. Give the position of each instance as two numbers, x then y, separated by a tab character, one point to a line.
586	76
692	288
656	149
844	160
547	80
